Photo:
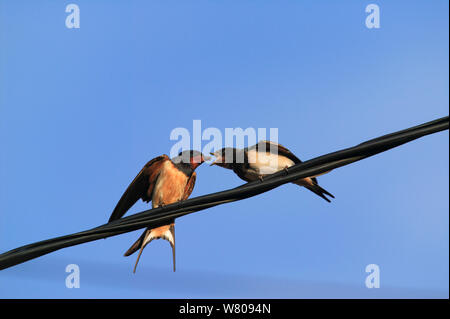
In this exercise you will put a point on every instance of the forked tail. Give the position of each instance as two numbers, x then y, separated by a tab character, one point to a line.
166	232
311	184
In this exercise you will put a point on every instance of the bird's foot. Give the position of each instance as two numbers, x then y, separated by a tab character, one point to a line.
261	178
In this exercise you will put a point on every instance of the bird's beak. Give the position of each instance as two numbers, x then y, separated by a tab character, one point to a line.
205	158
215	162
199	159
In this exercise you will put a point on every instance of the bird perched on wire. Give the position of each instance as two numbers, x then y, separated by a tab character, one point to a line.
163	181
265	158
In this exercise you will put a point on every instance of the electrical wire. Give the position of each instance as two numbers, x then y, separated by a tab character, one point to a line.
162	215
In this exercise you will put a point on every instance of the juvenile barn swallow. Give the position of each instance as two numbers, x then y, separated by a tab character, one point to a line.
163	181
265	158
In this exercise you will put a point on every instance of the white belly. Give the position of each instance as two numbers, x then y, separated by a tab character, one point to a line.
266	163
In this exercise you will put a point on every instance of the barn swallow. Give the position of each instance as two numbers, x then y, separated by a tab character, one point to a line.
265	158
163	181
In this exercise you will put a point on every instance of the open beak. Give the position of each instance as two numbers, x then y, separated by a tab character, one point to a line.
215	162
200	159
205	158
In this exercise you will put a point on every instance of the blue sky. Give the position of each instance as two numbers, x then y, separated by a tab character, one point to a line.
82	110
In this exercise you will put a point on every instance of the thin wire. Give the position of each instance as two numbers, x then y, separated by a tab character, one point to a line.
160	216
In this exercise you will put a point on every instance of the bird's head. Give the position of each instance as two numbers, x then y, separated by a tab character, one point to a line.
192	158
226	157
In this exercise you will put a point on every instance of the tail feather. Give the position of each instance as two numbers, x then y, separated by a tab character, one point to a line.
137	244
166	232
312	185
139	255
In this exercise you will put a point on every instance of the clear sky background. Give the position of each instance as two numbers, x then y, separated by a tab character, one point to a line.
82	110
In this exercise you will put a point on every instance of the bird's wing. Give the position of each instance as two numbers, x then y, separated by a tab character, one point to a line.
283	151
140	187
280	149
189	186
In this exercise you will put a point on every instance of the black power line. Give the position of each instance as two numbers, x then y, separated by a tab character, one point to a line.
161	215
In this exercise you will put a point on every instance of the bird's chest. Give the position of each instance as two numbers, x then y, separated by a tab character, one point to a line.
170	186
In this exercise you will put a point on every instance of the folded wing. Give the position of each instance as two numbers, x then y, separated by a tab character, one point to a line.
140	188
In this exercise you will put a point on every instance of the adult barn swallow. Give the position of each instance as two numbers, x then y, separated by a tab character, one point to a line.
163	181
263	159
